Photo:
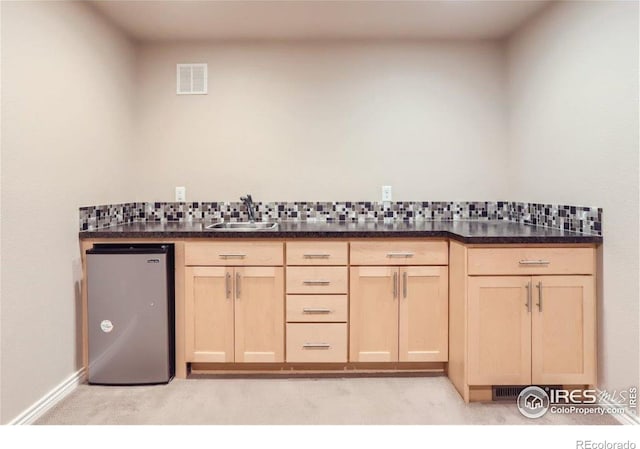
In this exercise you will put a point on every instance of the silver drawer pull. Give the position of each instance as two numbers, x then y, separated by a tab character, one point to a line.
318	282
534	262
316	256
316	346
539	296
232	256
395	284
401	254
404	284
315	310
227	284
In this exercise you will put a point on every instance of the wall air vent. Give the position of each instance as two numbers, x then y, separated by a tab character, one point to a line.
511	392
506	393
191	79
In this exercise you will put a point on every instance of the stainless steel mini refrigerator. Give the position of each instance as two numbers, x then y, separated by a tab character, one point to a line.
130	301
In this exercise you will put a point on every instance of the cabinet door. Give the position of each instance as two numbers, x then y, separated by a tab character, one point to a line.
424	299
563	330
499	330
373	314
208	314
259	314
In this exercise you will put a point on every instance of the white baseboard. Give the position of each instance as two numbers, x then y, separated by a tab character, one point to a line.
623	418
40	407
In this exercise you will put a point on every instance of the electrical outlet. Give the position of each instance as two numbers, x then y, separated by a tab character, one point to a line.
386	193
181	194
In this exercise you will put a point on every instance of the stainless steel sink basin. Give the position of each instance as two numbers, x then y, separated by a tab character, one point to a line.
244	226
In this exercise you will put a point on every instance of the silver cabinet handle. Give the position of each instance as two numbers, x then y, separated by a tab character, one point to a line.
404	284
316	282
232	256
227	284
528	303
237	285
315	310
316	346
539	296
400	254
316	256
395	284
534	262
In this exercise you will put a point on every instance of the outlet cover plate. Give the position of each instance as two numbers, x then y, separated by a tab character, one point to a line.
386	193
181	194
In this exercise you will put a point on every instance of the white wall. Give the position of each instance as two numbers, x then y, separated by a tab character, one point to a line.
68	85
573	91
324	121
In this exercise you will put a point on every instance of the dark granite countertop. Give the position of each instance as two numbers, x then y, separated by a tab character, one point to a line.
463	231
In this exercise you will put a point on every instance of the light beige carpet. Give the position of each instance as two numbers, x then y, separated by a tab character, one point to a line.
408	400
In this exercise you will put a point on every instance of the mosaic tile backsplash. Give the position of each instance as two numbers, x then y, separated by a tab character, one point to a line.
586	220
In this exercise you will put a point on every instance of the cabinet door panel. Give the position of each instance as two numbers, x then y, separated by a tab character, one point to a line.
373	314
563	330
499	324
424	298
259	314
208	314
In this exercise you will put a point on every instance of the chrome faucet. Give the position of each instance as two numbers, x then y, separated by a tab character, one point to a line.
248	202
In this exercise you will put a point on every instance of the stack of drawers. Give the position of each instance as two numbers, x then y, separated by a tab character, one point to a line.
317	301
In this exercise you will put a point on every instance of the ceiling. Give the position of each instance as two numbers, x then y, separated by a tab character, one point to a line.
188	20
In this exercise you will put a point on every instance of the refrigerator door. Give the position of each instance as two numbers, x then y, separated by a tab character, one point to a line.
128	327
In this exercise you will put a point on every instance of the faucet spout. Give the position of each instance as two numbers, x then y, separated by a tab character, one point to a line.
248	202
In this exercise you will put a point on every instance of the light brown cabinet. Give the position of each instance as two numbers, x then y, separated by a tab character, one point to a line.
317	317
563	330
234	314
317	308
317	252
399	252
525	330
373	314
424	314
317	280
316	342
522	320
398	314
209	314
234	253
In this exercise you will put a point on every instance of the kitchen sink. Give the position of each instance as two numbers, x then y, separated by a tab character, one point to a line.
244	226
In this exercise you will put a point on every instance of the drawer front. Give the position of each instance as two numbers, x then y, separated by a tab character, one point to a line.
317	308
317	253
309	343
524	261
400	252
231	253
317	279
